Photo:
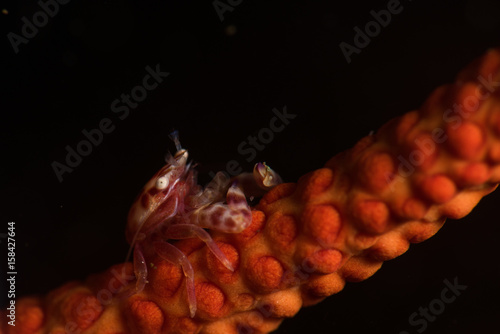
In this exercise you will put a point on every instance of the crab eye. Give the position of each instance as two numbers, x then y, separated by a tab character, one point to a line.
161	183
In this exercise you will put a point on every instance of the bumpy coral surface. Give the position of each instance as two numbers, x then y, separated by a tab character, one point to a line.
336	224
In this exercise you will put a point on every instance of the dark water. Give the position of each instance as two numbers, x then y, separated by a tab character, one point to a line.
225	78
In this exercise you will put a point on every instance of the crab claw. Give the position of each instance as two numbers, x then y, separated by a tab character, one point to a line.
265	177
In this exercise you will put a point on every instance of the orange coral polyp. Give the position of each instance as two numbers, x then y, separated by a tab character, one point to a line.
322	222
146	317
318	182
306	240
278	192
474	174
210	299
217	270
466	140
325	261
166	279
468	98
438	188
282	230
264	273
82	309
376	170
413	208
373	215
30	316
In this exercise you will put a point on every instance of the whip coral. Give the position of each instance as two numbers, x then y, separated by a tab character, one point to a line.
306	239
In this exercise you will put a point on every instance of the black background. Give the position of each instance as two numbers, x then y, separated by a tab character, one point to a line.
221	89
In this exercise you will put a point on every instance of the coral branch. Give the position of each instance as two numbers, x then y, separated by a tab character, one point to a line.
337	224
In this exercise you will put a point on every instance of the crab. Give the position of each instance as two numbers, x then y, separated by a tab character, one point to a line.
172	206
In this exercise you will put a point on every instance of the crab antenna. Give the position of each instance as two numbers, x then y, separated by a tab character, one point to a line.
174	135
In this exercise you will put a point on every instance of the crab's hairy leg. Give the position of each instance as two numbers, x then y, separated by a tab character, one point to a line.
173	255
185	231
232	217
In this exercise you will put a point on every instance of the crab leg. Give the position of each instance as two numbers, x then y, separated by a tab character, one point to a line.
185	231
173	255
141	275
140	269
